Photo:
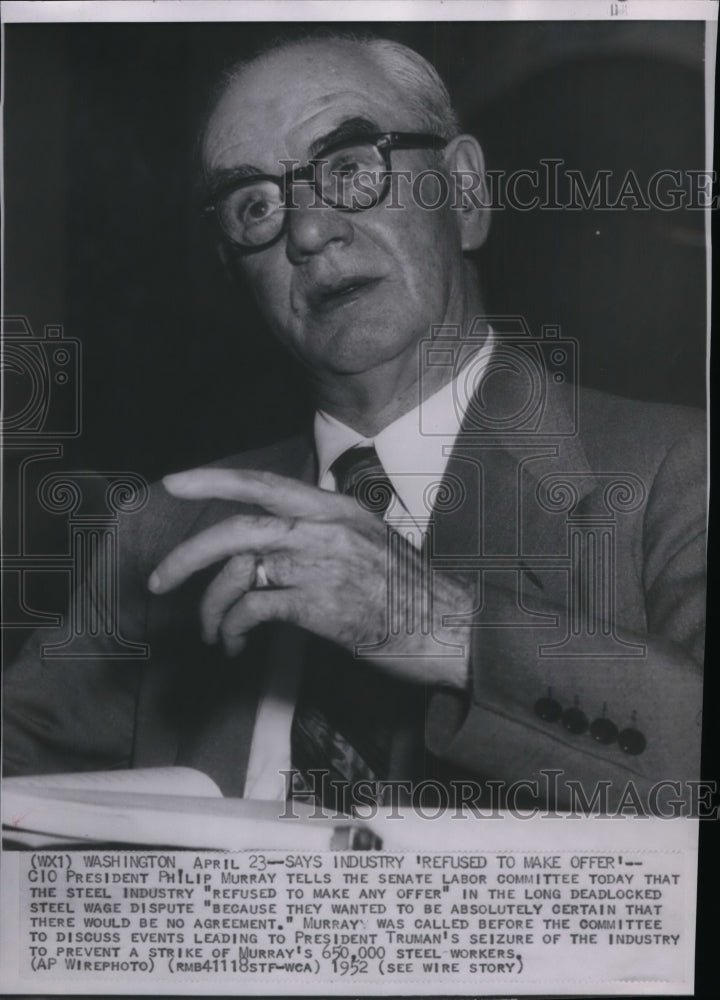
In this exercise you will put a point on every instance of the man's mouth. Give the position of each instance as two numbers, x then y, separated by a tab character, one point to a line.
323	298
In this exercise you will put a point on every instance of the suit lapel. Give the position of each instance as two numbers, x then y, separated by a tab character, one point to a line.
489	522
502	517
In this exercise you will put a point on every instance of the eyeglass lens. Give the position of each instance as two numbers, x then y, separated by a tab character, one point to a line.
350	178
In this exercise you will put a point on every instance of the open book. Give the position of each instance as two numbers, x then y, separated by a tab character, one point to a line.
164	806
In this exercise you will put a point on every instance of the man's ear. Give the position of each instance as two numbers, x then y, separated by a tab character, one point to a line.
465	163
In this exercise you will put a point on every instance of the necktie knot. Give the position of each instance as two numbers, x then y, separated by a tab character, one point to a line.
359	473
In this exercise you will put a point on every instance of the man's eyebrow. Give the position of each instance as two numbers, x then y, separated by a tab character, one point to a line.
351	128
217	180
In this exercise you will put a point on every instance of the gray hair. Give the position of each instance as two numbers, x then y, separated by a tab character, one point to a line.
427	96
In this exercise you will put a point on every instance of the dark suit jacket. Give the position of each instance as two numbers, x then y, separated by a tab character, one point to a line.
515	521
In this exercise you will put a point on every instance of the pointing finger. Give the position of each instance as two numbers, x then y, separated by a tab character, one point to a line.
277	494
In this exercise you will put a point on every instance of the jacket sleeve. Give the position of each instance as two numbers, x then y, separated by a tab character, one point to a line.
76	712
496	732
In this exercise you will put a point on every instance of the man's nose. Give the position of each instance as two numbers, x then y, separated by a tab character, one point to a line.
312	225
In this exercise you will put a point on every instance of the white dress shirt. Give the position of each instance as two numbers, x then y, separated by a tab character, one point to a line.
414	452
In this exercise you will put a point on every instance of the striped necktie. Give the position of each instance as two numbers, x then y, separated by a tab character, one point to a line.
342	722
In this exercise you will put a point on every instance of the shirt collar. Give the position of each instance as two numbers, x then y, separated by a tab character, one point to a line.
414	449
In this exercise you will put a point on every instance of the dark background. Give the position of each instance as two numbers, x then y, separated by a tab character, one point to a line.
103	234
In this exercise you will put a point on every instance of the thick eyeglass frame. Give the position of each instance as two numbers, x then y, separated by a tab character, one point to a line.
385	143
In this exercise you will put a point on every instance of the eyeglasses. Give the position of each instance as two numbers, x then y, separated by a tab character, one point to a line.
351	175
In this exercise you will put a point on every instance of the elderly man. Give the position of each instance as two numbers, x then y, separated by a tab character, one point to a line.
435	582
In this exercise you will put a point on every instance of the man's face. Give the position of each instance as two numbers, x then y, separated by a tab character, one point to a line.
346	292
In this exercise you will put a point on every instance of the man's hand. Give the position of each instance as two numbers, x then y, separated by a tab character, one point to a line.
326	566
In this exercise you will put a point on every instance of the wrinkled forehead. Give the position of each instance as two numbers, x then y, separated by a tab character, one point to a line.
282	103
